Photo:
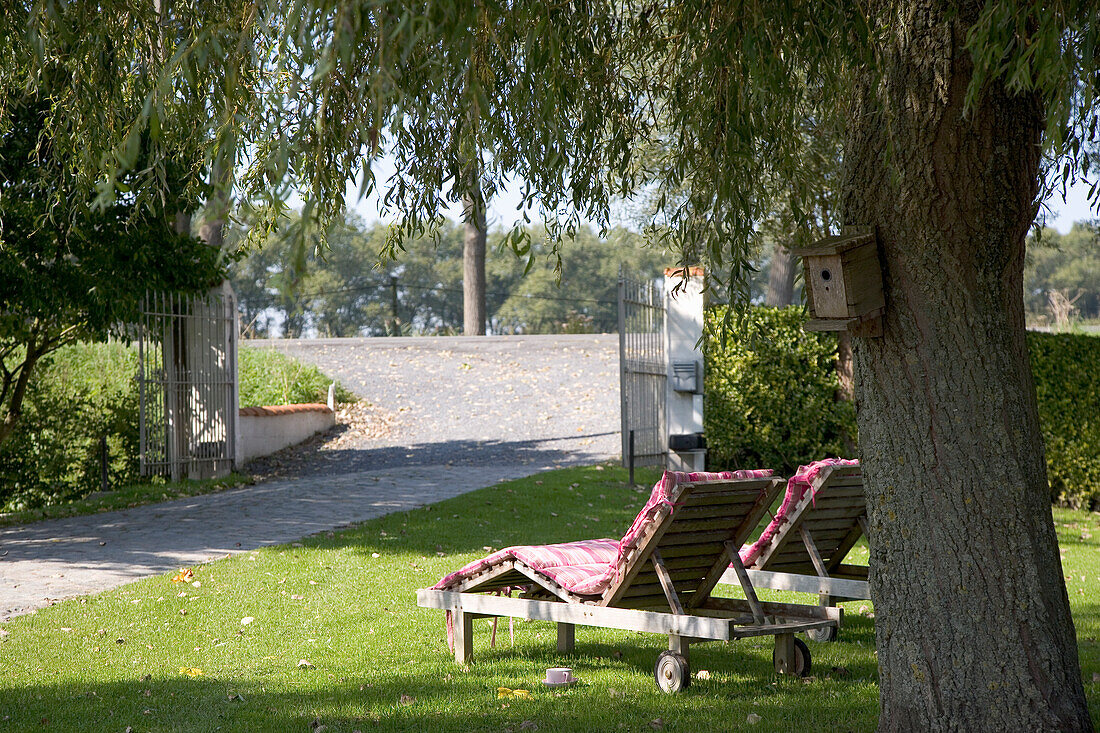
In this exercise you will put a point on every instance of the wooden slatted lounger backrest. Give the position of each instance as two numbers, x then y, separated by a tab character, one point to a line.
692	541
832	519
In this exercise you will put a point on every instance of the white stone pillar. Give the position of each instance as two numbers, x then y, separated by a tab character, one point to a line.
684	386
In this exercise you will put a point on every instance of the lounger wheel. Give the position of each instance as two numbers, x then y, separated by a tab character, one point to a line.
802	661
672	672
827	633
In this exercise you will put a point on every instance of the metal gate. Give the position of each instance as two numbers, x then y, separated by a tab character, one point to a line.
642	372
187	349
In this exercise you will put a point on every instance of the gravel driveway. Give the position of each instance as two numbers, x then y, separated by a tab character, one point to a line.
540	401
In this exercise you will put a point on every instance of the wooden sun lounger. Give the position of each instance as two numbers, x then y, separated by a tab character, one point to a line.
664	586
807	553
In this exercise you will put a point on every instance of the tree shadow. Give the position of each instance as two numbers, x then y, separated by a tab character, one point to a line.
444	697
317	458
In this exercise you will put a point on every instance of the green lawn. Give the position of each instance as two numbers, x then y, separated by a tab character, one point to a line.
326	632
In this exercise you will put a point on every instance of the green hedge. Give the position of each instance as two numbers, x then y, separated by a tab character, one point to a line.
76	396
83	392
1066	367
268	377
771	400
771	393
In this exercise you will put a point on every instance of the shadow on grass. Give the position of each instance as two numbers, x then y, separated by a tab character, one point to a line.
446	698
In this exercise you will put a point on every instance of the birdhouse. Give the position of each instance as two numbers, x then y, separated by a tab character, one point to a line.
844	283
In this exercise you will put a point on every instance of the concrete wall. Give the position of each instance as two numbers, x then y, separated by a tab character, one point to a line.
265	430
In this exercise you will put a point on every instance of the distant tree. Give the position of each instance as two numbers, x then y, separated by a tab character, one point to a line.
583	293
1068	264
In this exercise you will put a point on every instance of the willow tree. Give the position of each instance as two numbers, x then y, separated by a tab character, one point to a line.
953	114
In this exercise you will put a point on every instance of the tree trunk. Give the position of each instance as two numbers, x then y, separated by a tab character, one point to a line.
780	278
473	265
972	619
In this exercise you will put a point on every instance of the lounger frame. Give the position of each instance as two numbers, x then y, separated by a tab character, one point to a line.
666	583
807	553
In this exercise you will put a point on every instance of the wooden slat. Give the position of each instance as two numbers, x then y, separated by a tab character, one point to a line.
859	571
840	513
728	499
689	561
691	550
803	583
709	512
695	538
682	526
647	589
818	526
680	577
775	610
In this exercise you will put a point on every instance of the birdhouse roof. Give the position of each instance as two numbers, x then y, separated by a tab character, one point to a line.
835	245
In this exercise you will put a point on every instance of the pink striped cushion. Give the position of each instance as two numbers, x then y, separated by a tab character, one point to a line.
588	567
797	487
572	565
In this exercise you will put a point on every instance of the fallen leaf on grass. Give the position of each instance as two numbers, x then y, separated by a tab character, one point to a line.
752	719
504	692
236	696
296	597
406	700
247	620
185	575
191	671
304	664
657	724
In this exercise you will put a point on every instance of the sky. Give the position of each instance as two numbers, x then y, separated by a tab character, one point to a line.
502	208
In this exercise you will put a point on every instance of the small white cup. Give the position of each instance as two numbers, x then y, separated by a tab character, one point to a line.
559	675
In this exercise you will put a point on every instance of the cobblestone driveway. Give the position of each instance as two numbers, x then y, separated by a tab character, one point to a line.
466	413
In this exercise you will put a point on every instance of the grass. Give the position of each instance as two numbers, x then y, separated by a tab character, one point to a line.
326	632
124	498
268	377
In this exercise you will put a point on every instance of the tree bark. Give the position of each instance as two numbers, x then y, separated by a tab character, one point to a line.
972	619
14	409
473	264
780	278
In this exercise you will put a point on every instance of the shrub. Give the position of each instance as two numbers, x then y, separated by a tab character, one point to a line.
86	391
79	395
270	378
772	393
770	400
1066	368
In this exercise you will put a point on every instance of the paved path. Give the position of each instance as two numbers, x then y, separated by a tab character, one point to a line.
468	413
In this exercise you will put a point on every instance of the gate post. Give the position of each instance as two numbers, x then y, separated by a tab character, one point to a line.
684	386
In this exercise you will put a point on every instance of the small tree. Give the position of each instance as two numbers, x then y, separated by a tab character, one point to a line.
68	273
